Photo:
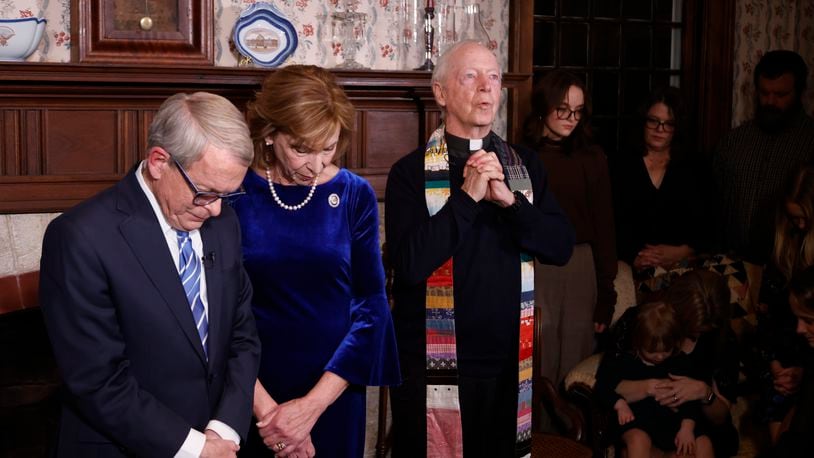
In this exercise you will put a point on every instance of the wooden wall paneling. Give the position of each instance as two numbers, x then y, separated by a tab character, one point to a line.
718	68
22	194
31	157
708	68
390	135
145	117
521	39
71	130
352	159
9	142
132	143
389	126
82	141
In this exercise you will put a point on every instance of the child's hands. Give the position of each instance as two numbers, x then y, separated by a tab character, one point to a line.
623	412
685	439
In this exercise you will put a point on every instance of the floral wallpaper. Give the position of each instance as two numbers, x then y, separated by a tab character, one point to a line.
765	25
391	33
381	33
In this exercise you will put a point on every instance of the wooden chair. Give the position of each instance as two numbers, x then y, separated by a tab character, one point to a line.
569	441
383	435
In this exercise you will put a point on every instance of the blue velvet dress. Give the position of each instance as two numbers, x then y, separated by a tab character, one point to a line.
319	298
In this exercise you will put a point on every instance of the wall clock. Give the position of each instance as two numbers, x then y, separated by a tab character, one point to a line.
142	31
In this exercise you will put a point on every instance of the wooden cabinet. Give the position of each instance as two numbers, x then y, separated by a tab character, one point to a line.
71	130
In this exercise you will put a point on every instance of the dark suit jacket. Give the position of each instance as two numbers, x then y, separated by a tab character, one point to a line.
123	333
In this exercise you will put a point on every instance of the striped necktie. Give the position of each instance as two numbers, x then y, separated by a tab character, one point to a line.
189	269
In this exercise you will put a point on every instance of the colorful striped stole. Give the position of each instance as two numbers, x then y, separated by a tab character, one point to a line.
444	435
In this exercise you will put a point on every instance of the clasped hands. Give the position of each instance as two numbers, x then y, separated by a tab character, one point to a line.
662	255
483	179
676	390
286	428
786	380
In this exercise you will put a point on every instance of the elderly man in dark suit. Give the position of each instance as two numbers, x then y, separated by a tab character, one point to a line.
146	301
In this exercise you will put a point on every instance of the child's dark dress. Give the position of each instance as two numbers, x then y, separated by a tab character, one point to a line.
659	422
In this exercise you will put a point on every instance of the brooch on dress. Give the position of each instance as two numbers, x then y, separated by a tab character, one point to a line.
333	200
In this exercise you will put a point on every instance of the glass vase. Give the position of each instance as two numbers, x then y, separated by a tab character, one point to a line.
348	37
470	24
411	36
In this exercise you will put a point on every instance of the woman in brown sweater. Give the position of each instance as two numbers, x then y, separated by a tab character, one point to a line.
577	300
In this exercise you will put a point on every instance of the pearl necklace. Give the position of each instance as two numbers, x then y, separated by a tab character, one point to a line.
286	206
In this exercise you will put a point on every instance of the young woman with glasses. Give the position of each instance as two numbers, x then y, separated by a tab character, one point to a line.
659	192
578	298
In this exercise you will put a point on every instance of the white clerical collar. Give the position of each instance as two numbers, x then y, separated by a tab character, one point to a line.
475	144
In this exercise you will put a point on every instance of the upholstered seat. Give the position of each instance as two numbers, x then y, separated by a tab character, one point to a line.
29	383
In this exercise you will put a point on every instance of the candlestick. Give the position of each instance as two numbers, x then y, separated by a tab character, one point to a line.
429	36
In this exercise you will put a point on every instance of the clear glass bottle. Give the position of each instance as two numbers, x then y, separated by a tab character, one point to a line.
446	25
470	24
411	36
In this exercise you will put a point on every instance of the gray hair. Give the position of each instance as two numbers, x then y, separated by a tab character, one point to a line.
186	124
439	73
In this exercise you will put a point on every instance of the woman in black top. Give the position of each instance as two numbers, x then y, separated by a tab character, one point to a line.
659	194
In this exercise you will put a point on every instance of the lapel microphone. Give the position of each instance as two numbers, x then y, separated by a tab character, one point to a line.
209	260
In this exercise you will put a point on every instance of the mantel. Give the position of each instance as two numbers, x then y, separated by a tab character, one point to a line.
70	130
190	76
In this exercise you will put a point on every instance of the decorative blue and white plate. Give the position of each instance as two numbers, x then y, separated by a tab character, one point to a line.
263	34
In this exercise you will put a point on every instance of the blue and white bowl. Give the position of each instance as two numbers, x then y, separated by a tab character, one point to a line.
20	37
263	34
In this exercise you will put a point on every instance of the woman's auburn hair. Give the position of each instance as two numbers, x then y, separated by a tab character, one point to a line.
305	102
701	299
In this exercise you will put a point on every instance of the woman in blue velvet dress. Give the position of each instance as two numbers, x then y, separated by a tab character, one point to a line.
311	248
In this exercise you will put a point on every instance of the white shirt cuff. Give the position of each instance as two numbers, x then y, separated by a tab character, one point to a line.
225	431
192	446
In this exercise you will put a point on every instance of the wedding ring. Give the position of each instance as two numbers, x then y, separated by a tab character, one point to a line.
675	398
280	446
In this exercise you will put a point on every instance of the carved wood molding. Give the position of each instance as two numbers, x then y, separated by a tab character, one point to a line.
67	131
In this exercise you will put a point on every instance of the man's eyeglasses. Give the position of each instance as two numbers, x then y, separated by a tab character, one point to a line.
565	113
204	198
655	123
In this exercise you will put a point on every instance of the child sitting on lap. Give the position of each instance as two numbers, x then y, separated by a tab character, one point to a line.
644	423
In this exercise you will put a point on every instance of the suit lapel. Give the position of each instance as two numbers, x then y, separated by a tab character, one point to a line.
143	234
214	287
